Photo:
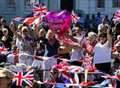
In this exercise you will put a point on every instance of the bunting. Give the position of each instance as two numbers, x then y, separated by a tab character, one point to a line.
75	17
117	15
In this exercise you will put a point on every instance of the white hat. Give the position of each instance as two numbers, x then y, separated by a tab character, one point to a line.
117	44
24	28
4	30
118	37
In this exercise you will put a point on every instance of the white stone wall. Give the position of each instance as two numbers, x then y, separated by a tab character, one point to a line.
89	6
82	5
53	5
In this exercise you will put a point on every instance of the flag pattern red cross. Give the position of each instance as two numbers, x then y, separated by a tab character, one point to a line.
75	17
27	78
117	15
41	8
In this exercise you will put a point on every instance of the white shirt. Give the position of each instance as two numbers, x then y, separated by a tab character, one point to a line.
10	58
47	64
77	53
102	53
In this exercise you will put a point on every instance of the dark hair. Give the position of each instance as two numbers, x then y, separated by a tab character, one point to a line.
1	17
3	20
103	35
117	25
78	25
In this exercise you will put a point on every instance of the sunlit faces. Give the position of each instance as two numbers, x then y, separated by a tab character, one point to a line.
118	37
20	26
3	21
25	30
77	30
92	36
50	34
42	32
118	48
103	38
117	45
5	31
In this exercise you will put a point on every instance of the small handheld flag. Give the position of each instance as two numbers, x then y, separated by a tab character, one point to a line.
20	77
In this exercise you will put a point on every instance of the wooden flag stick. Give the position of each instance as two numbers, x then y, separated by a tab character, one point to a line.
86	74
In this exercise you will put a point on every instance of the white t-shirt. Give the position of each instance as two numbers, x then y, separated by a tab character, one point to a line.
77	53
102	53
10	58
48	64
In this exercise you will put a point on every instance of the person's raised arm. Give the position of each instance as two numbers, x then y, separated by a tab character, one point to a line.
109	37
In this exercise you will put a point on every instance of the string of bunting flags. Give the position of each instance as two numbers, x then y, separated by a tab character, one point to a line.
65	69
60	22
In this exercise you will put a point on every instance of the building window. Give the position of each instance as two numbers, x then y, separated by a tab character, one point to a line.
29	3
11	3
116	3
100	3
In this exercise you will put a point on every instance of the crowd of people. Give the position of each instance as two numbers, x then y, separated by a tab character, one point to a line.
98	38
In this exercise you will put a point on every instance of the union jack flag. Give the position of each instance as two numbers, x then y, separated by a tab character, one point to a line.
3	49
32	20
40	8
75	17
117	15
65	72
18	19
112	79
69	77
20	78
88	64
114	84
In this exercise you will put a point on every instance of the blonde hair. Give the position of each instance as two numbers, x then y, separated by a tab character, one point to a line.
24	28
20	26
6	73
42	32
91	35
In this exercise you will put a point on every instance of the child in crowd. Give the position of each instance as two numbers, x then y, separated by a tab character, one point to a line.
5	78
